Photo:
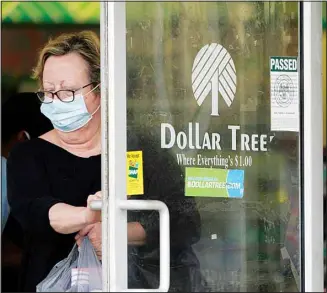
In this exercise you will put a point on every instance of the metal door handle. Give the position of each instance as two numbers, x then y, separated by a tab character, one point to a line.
156	205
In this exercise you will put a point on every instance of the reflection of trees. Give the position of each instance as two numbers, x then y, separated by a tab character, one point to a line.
164	38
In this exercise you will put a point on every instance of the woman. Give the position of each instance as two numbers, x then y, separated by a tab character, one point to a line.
52	179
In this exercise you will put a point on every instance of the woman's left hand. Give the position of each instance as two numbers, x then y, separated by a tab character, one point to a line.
94	233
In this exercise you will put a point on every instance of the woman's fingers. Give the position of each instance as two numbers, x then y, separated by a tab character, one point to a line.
94	233
79	241
96	196
92	216
91	198
85	230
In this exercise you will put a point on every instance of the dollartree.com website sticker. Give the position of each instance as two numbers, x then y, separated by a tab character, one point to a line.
209	182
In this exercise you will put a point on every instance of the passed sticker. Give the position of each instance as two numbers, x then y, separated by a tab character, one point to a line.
135	173
284	94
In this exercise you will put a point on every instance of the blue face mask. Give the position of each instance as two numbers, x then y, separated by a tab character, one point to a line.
68	117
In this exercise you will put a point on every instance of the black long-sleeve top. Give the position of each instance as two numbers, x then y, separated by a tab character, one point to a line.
41	174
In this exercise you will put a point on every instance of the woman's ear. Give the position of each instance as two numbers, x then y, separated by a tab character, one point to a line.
23	135
27	135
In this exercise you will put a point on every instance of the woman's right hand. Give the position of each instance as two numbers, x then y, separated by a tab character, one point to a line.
92	216
67	219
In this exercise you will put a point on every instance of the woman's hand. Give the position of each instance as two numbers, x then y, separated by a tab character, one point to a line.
94	233
136	236
67	219
92	216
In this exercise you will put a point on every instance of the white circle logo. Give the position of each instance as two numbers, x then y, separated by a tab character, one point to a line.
214	71
284	91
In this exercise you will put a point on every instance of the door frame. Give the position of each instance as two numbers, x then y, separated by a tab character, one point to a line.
311	147
114	146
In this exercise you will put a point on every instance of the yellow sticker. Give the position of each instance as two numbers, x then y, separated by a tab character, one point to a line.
134	173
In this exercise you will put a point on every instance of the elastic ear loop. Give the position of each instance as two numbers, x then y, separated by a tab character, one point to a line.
92	89
96	110
27	135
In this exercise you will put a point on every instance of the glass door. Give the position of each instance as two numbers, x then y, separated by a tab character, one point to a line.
204	112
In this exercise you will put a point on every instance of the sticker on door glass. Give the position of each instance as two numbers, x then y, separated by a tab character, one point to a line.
135	173
284	92
210	182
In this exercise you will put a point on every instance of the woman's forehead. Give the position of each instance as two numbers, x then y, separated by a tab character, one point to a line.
65	70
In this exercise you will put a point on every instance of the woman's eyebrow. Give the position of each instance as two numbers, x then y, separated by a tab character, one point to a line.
48	83
63	85
48	87
67	84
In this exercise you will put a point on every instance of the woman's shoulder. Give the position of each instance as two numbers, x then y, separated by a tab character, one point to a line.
25	147
29	149
35	145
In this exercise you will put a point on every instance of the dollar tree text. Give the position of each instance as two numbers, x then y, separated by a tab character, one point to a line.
192	139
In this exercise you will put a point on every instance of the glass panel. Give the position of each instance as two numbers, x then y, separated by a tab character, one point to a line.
215	151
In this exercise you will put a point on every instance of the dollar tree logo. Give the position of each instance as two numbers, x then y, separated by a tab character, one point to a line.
214	72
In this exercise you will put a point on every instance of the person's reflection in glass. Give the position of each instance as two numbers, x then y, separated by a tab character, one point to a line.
164	181
290	216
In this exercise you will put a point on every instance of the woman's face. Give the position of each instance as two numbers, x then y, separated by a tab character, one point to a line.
70	72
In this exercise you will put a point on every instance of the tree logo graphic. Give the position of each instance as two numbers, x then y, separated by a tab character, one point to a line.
214	71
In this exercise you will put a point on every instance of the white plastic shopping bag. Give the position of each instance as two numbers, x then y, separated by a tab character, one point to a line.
80	272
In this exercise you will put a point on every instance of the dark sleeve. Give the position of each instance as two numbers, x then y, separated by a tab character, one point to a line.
13	231
29	193
165	182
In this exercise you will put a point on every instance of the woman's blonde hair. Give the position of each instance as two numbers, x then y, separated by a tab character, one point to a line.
85	43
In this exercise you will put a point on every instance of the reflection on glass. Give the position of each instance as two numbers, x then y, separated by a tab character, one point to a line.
210	109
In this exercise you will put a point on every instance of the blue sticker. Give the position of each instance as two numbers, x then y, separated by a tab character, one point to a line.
236	179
